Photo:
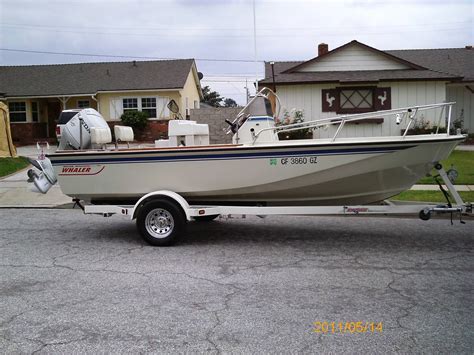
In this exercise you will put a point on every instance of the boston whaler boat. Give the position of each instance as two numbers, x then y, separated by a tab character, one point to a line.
184	178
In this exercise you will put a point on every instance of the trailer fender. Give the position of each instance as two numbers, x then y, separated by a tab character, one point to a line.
170	195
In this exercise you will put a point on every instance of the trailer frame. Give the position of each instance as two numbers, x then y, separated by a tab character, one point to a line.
171	211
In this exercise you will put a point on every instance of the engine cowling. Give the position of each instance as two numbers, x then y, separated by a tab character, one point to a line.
71	136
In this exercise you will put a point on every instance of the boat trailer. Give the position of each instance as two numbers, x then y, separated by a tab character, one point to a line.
162	215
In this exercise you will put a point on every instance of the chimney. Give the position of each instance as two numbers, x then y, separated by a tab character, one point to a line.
322	49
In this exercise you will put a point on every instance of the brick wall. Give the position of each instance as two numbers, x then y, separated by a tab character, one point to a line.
28	133
215	117
153	131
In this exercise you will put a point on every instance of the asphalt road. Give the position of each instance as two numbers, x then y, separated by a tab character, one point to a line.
73	283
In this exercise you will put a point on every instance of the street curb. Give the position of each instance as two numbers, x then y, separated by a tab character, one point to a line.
65	206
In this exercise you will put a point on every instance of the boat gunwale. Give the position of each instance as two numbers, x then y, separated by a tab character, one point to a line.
244	147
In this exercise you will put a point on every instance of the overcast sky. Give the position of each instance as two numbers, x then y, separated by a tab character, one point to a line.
213	29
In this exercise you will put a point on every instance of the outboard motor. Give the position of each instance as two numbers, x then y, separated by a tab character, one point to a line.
46	178
76	134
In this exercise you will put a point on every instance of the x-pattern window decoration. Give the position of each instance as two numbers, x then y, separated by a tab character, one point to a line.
356	99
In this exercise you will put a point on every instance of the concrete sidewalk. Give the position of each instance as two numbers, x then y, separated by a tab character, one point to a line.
15	192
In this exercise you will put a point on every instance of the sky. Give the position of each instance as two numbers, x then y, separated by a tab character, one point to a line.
220	34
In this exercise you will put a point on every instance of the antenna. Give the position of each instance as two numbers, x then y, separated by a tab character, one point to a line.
255	46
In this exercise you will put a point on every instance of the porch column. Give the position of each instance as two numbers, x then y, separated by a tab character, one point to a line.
64	100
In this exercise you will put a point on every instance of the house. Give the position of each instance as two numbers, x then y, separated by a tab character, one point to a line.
356	78
36	94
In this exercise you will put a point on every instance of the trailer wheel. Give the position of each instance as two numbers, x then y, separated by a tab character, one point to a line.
208	218
161	222
425	216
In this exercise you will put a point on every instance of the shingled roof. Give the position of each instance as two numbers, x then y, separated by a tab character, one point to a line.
455	61
90	78
453	64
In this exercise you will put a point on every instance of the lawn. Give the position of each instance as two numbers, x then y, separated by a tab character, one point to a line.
10	165
431	196
463	161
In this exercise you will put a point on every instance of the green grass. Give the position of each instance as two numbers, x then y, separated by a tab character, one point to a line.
10	165
463	161
431	196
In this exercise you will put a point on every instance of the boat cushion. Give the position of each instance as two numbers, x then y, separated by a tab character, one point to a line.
123	133
100	135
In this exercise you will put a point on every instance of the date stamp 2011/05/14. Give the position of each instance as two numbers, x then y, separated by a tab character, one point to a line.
347	327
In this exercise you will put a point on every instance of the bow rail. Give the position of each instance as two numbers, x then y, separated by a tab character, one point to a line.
400	115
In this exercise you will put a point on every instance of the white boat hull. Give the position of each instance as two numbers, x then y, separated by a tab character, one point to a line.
312	172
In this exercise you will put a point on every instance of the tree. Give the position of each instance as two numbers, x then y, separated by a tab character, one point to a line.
230	102
212	98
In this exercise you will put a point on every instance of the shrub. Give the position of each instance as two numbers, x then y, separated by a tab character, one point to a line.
293	117
135	119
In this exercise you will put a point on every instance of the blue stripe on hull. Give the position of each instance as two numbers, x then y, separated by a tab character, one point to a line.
229	156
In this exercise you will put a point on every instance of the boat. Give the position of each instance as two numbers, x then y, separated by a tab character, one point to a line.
257	169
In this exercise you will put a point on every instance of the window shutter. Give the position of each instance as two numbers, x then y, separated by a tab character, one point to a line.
116	108
330	100
162	110
383	99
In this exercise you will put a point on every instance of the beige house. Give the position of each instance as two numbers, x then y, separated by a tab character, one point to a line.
37	94
357	78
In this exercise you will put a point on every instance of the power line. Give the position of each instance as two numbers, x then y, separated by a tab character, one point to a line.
260	28
125	56
190	33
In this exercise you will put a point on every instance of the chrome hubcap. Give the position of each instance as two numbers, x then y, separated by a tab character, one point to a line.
159	223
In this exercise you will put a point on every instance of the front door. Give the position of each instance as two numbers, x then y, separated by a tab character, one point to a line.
54	110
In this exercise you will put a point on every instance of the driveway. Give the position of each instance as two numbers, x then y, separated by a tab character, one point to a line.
73	283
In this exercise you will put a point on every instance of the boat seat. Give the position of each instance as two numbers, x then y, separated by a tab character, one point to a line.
183	131
123	133
101	136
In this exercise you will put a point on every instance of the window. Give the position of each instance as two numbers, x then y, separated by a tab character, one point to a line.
83	104
17	111
155	107
149	106
353	100
356	99
34	111
130	104
196	104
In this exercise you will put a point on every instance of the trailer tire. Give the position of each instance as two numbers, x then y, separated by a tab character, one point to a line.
425	216
208	218
161	222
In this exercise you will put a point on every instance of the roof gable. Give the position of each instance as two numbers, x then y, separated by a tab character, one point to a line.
354	56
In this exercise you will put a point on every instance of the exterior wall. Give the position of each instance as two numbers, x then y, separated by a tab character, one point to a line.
72	102
189	95
105	99
29	118
353	58
215	117
403	94
28	133
464	99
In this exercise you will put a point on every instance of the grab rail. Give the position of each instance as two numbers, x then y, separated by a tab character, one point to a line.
407	112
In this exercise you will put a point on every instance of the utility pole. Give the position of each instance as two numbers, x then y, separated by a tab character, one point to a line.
246	91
